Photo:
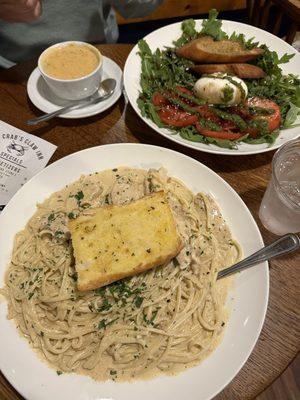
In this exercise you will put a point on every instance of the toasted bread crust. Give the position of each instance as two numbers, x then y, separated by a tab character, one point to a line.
242	70
205	50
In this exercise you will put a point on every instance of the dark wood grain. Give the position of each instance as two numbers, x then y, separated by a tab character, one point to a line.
248	175
287	386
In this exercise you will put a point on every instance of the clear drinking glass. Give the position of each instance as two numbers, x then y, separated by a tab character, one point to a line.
280	207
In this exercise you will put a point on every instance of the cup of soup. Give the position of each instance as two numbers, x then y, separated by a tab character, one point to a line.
72	69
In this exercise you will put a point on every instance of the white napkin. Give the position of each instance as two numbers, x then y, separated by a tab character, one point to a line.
22	155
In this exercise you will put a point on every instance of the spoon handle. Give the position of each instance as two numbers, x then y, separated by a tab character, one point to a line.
63	110
48	116
283	245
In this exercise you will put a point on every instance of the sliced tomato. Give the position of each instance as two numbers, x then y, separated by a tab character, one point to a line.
170	115
243	112
273	119
218	134
159	100
184	90
205	112
227	125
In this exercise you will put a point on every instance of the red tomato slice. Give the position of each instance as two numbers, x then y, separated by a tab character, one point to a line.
227	125
205	112
273	119
218	134
184	90
159	100
173	116
242	112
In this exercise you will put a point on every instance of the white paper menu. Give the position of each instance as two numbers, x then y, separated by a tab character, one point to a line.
22	155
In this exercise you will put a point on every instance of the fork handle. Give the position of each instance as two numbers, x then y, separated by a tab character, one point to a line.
283	245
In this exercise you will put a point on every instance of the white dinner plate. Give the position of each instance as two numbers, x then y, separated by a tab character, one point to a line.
44	99
164	37
248	298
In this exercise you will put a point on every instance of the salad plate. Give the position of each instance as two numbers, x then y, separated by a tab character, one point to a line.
147	69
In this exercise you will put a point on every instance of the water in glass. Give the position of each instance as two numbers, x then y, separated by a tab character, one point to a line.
280	207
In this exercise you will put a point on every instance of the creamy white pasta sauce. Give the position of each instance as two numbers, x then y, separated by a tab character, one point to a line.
161	321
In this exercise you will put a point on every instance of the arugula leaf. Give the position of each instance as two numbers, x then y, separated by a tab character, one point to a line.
291	115
212	26
154	116
285	58
190	133
240	37
188	32
144	48
296	97
268	138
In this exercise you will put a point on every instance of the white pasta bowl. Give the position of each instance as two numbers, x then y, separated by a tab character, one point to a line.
19	363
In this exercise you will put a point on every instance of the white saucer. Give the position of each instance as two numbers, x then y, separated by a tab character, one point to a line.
43	98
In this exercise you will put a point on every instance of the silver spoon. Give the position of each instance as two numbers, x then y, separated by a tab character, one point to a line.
283	245
107	86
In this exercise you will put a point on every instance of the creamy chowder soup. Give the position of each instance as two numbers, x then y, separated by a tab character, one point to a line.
70	61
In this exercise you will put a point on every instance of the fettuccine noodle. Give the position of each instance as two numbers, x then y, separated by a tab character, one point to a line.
161	321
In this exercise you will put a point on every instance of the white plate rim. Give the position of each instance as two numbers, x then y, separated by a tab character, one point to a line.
35	97
257	149
262	267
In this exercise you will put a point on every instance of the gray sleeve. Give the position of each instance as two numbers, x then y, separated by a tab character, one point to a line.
135	8
4	63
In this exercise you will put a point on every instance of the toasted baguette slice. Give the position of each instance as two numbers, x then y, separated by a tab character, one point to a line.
244	71
206	50
117	241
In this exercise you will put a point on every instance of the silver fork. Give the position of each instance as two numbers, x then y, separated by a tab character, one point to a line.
283	245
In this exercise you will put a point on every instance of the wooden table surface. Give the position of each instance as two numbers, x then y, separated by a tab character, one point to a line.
279	341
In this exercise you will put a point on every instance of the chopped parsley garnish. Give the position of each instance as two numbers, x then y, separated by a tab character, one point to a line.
138	301
103	324
79	196
105	305
59	372
151	320
51	217
119	292
71	215
175	262
57	234
100	291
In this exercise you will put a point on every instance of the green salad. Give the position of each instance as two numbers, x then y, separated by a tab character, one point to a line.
169	99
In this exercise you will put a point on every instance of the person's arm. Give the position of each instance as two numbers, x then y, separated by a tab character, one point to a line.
135	8
20	10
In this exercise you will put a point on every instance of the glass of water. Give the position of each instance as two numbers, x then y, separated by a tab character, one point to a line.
280	207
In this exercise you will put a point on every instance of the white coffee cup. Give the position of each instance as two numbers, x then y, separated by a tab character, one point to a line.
73	89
